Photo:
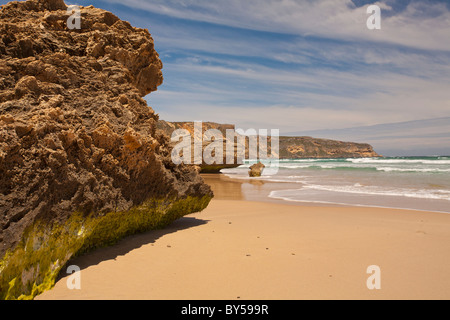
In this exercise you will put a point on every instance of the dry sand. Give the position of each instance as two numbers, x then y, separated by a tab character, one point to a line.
239	249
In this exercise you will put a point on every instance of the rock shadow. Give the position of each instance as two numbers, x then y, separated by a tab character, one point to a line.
129	244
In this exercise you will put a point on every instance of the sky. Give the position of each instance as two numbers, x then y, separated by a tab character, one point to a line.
302	65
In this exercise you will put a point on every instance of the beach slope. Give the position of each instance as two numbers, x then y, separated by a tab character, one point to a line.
258	250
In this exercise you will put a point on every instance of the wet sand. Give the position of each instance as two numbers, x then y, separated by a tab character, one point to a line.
241	249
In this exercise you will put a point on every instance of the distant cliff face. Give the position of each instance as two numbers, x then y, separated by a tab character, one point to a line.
81	164
290	147
311	148
168	128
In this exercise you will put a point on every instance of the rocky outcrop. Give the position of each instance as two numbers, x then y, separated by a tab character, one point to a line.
168	128
256	170
81	163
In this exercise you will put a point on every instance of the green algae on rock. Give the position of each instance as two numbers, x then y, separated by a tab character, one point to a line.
33	266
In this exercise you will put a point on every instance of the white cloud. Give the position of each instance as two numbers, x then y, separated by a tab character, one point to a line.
365	78
294	101
419	26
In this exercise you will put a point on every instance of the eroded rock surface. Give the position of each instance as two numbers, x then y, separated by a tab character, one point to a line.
76	134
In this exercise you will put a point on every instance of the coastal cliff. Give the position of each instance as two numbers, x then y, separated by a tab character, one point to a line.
312	148
289	147
81	163
168	128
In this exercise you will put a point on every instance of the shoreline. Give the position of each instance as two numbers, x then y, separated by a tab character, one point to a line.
240	249
285	185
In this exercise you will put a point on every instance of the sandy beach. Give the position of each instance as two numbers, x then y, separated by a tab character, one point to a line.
241	249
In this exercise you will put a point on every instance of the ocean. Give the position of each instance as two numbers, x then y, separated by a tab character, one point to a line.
418	183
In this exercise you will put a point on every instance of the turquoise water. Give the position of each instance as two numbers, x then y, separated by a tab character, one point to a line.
420	183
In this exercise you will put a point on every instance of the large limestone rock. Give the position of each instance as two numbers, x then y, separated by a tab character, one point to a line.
81	164
169	128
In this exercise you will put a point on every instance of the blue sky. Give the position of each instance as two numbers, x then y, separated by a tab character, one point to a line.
298	65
